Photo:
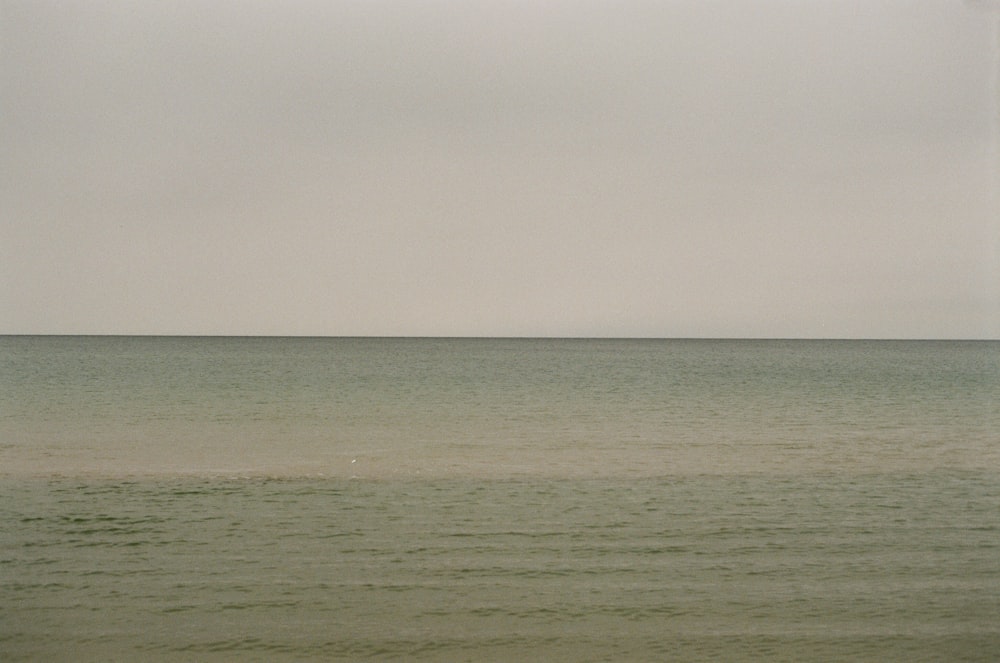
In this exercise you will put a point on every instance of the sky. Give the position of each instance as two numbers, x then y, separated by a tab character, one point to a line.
703	168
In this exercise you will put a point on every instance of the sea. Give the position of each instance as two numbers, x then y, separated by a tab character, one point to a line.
474	499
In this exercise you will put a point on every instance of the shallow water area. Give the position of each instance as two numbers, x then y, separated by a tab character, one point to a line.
695	567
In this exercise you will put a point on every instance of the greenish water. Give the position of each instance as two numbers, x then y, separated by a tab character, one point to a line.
448	500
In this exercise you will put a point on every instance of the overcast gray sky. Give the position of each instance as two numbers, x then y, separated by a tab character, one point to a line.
445	167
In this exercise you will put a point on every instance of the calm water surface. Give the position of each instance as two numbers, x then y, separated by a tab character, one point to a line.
449	500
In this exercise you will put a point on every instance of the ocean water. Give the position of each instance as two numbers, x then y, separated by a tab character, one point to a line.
216	499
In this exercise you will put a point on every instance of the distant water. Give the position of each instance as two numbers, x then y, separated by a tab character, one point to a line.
219	499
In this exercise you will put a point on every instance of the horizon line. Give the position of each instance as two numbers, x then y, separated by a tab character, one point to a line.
503	337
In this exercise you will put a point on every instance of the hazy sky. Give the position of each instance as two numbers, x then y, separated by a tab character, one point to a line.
521	167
